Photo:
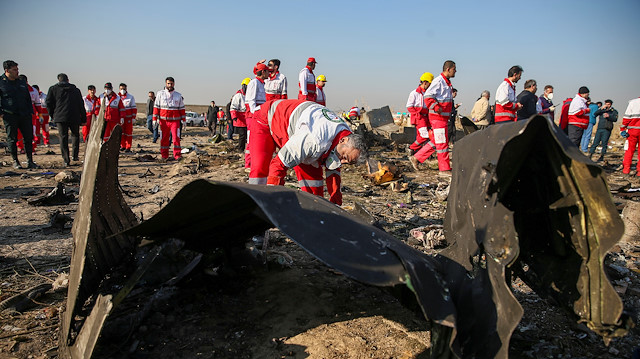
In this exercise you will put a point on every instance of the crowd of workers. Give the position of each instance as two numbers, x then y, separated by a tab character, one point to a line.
308	135
433	112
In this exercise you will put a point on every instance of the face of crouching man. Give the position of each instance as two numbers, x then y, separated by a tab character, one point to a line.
350	148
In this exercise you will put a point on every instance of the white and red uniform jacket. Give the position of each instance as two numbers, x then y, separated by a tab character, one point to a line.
419	114
238	109
169	106
255	95
113	108
631	118
354	112
131	111
307	84
579	112
35	101
91	106
506	102
276	87
320	97
43	105
439	96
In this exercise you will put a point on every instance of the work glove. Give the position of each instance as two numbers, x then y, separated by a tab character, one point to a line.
624	134
155	125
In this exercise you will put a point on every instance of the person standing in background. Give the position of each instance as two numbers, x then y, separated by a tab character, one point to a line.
42	129
131	111
608	115
481	112
212	117
91	109
65	104
275	86
546	104
321	81
586	135
307	81
153	129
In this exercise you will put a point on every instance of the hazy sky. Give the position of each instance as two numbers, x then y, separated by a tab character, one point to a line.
372	52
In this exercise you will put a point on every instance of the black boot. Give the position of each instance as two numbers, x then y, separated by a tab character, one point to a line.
31	164
16	164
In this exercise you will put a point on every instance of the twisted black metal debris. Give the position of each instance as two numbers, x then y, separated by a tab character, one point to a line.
523	201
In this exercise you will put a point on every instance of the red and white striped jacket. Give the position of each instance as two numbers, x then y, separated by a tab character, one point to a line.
35	101
131	111
255	95
91	106
631	118
238	110
354	112
439	96
113	107
169	106
307	84
417	108
506	102
579	112
276	87
320	97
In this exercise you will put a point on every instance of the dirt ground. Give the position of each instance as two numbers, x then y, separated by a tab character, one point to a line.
251	310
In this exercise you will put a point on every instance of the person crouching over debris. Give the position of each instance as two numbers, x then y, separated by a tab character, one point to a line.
422	148
309	137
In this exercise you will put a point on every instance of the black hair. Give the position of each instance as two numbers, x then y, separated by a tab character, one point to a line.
276	62
514	70
9	64
62	77
91	87
169	78
447	65
122	84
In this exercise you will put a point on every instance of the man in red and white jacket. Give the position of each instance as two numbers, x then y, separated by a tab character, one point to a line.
439	100
91	109
168	109
238	112
275	85
307	81
309	137
254	97
422	148
578	115
506	99
114	111
631	126
42	125
321	81
131	111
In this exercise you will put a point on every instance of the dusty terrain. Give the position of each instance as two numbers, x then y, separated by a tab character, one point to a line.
249	310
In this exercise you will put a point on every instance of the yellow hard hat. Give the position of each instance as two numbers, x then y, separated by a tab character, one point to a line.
247	80
321	78
427	76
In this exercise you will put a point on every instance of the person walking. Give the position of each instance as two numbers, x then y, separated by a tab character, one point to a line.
439	100
578	114
114	111
16	110
66	108
607	116
630	129
169	111
212	117
131	111
423	147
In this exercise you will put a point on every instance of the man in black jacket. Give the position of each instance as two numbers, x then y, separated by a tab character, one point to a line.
608	115
212	117
66	107
16	110
528	99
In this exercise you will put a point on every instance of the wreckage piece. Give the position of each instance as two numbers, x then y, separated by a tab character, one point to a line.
524	198
55	197
101	213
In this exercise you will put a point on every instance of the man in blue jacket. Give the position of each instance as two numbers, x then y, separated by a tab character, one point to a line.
586	135
608	115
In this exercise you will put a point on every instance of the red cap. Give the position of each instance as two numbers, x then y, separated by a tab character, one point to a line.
259	67
312	59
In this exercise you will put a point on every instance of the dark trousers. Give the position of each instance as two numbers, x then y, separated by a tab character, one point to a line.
242	137
63	134
212	125
602	137
575	134
451	127
230	130
14	123
153	130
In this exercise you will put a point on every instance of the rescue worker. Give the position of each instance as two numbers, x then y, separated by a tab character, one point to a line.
238	111
114	111
91	109
630	129
423	147
131	111
353	114
439	100
169	111
307	81
35	116
321	81
16	110
563	122
254	97
275	86
309	137
42	125
506	100
578	115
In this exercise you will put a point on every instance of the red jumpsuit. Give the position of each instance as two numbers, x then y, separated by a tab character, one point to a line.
114	113
631	123
91	108
439	100
422	148
169	110
131	111
307	134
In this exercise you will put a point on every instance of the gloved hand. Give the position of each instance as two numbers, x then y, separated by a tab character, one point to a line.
121	121
624	134
155	125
